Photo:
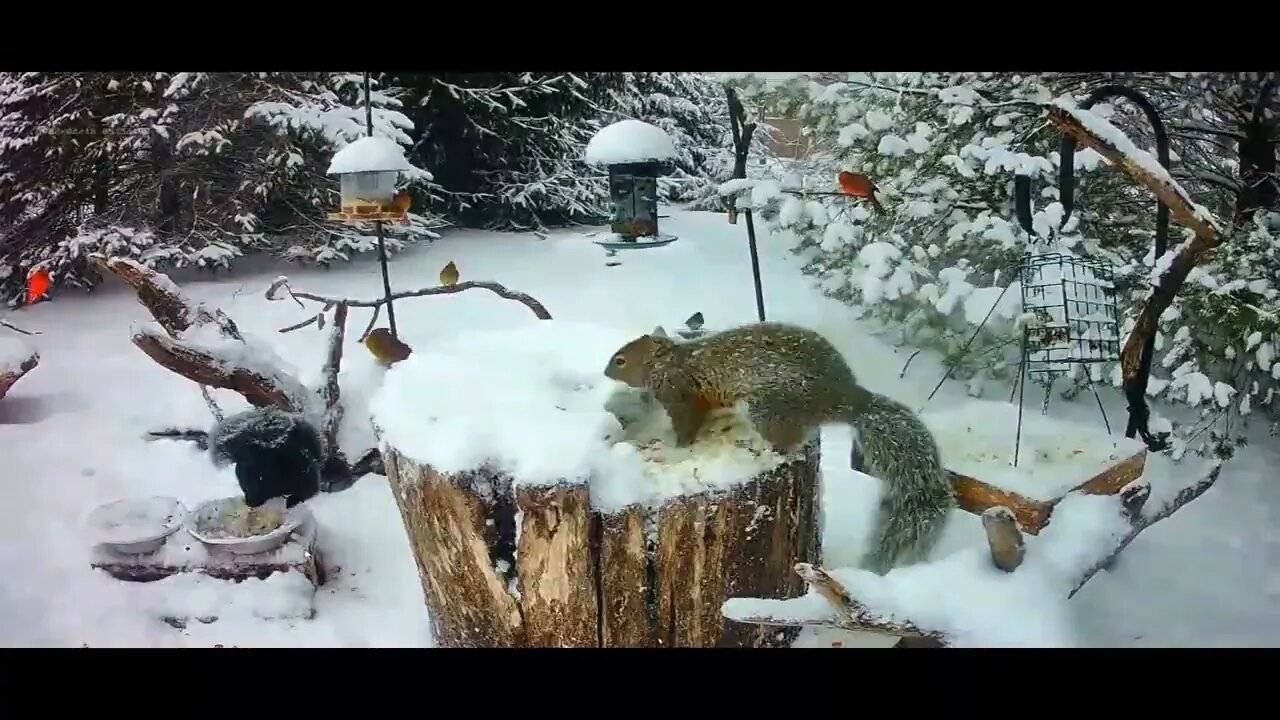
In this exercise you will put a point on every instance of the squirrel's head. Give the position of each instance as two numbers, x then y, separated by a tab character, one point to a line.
632	362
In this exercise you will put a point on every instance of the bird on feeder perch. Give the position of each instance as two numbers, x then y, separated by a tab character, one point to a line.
635	153
368	170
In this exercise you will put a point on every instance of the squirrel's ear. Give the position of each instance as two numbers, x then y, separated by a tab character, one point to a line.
659	332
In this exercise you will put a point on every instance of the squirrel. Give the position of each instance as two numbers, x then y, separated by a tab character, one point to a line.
793	381
276	454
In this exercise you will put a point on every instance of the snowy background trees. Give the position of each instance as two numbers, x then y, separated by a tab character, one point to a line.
203	168
944	149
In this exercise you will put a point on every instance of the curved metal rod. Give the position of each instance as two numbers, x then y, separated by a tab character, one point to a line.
1135	389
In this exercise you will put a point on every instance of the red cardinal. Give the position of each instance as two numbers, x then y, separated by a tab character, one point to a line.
859	186
37	285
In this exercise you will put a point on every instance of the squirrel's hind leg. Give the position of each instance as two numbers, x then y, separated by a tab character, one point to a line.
686	421
783	435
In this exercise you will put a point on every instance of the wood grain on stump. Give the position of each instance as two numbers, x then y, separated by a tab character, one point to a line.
578	577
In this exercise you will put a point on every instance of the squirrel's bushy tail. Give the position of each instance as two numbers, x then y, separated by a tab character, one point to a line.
894	445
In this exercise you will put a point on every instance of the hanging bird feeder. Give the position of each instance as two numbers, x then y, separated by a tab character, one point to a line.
636	154
368	171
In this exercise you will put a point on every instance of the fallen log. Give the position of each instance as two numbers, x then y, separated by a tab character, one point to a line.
16	360
204	345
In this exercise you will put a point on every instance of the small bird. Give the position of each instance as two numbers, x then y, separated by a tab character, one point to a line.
402	202
387	348
859	186
695	321
37	286
449	274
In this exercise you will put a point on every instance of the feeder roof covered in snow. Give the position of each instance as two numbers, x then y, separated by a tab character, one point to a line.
629	141
369	154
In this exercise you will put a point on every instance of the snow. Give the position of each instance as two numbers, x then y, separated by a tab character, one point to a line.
629	141
976	439
1103	129
372	153
70	438
473	401
13	352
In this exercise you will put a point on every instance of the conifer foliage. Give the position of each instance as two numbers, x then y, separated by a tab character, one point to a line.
944	149
177	168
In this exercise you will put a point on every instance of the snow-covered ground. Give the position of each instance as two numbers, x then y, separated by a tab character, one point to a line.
70	440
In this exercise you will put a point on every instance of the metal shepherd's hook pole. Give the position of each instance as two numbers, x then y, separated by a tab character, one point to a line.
377	224
1135	386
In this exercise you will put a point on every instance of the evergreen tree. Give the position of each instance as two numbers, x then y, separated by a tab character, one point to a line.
177	168
506	148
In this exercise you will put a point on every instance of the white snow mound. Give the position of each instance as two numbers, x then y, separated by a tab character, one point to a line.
369	154
531	402
629	141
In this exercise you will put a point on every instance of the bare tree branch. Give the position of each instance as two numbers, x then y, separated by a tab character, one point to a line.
377	303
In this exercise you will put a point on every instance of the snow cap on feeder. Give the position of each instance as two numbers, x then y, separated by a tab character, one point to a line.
368	170
636	153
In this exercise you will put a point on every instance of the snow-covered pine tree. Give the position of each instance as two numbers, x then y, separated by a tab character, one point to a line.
176	168
692	109
506	148
1219	340
943	148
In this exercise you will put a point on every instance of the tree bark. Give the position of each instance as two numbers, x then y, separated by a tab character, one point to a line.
573	576
7	379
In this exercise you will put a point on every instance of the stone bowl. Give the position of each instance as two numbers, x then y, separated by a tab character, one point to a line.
136	526
204	521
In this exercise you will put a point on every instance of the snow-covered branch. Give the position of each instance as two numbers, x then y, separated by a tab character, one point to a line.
837	609
1133	499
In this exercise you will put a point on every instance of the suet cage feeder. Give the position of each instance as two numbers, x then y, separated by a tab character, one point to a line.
1070	313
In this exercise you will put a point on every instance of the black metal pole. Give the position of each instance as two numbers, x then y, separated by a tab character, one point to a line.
377	224
742	132
1135	391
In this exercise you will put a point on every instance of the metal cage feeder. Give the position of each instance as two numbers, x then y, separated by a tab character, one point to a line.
1071	301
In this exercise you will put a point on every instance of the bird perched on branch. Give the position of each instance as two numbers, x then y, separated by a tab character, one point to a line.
387	348
449	274
859	186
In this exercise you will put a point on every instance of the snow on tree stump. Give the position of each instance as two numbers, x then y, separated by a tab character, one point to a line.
183	553
16	360
537	520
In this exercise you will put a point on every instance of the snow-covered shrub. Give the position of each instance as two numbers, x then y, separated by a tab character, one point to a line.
943	149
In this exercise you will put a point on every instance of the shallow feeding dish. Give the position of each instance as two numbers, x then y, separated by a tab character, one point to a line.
136	526
208	523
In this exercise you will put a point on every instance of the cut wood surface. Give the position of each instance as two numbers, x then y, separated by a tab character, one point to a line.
579	577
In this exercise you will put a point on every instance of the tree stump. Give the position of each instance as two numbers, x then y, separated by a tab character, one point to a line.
505	564
16	360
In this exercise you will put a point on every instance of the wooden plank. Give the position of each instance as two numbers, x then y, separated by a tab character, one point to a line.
976	496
